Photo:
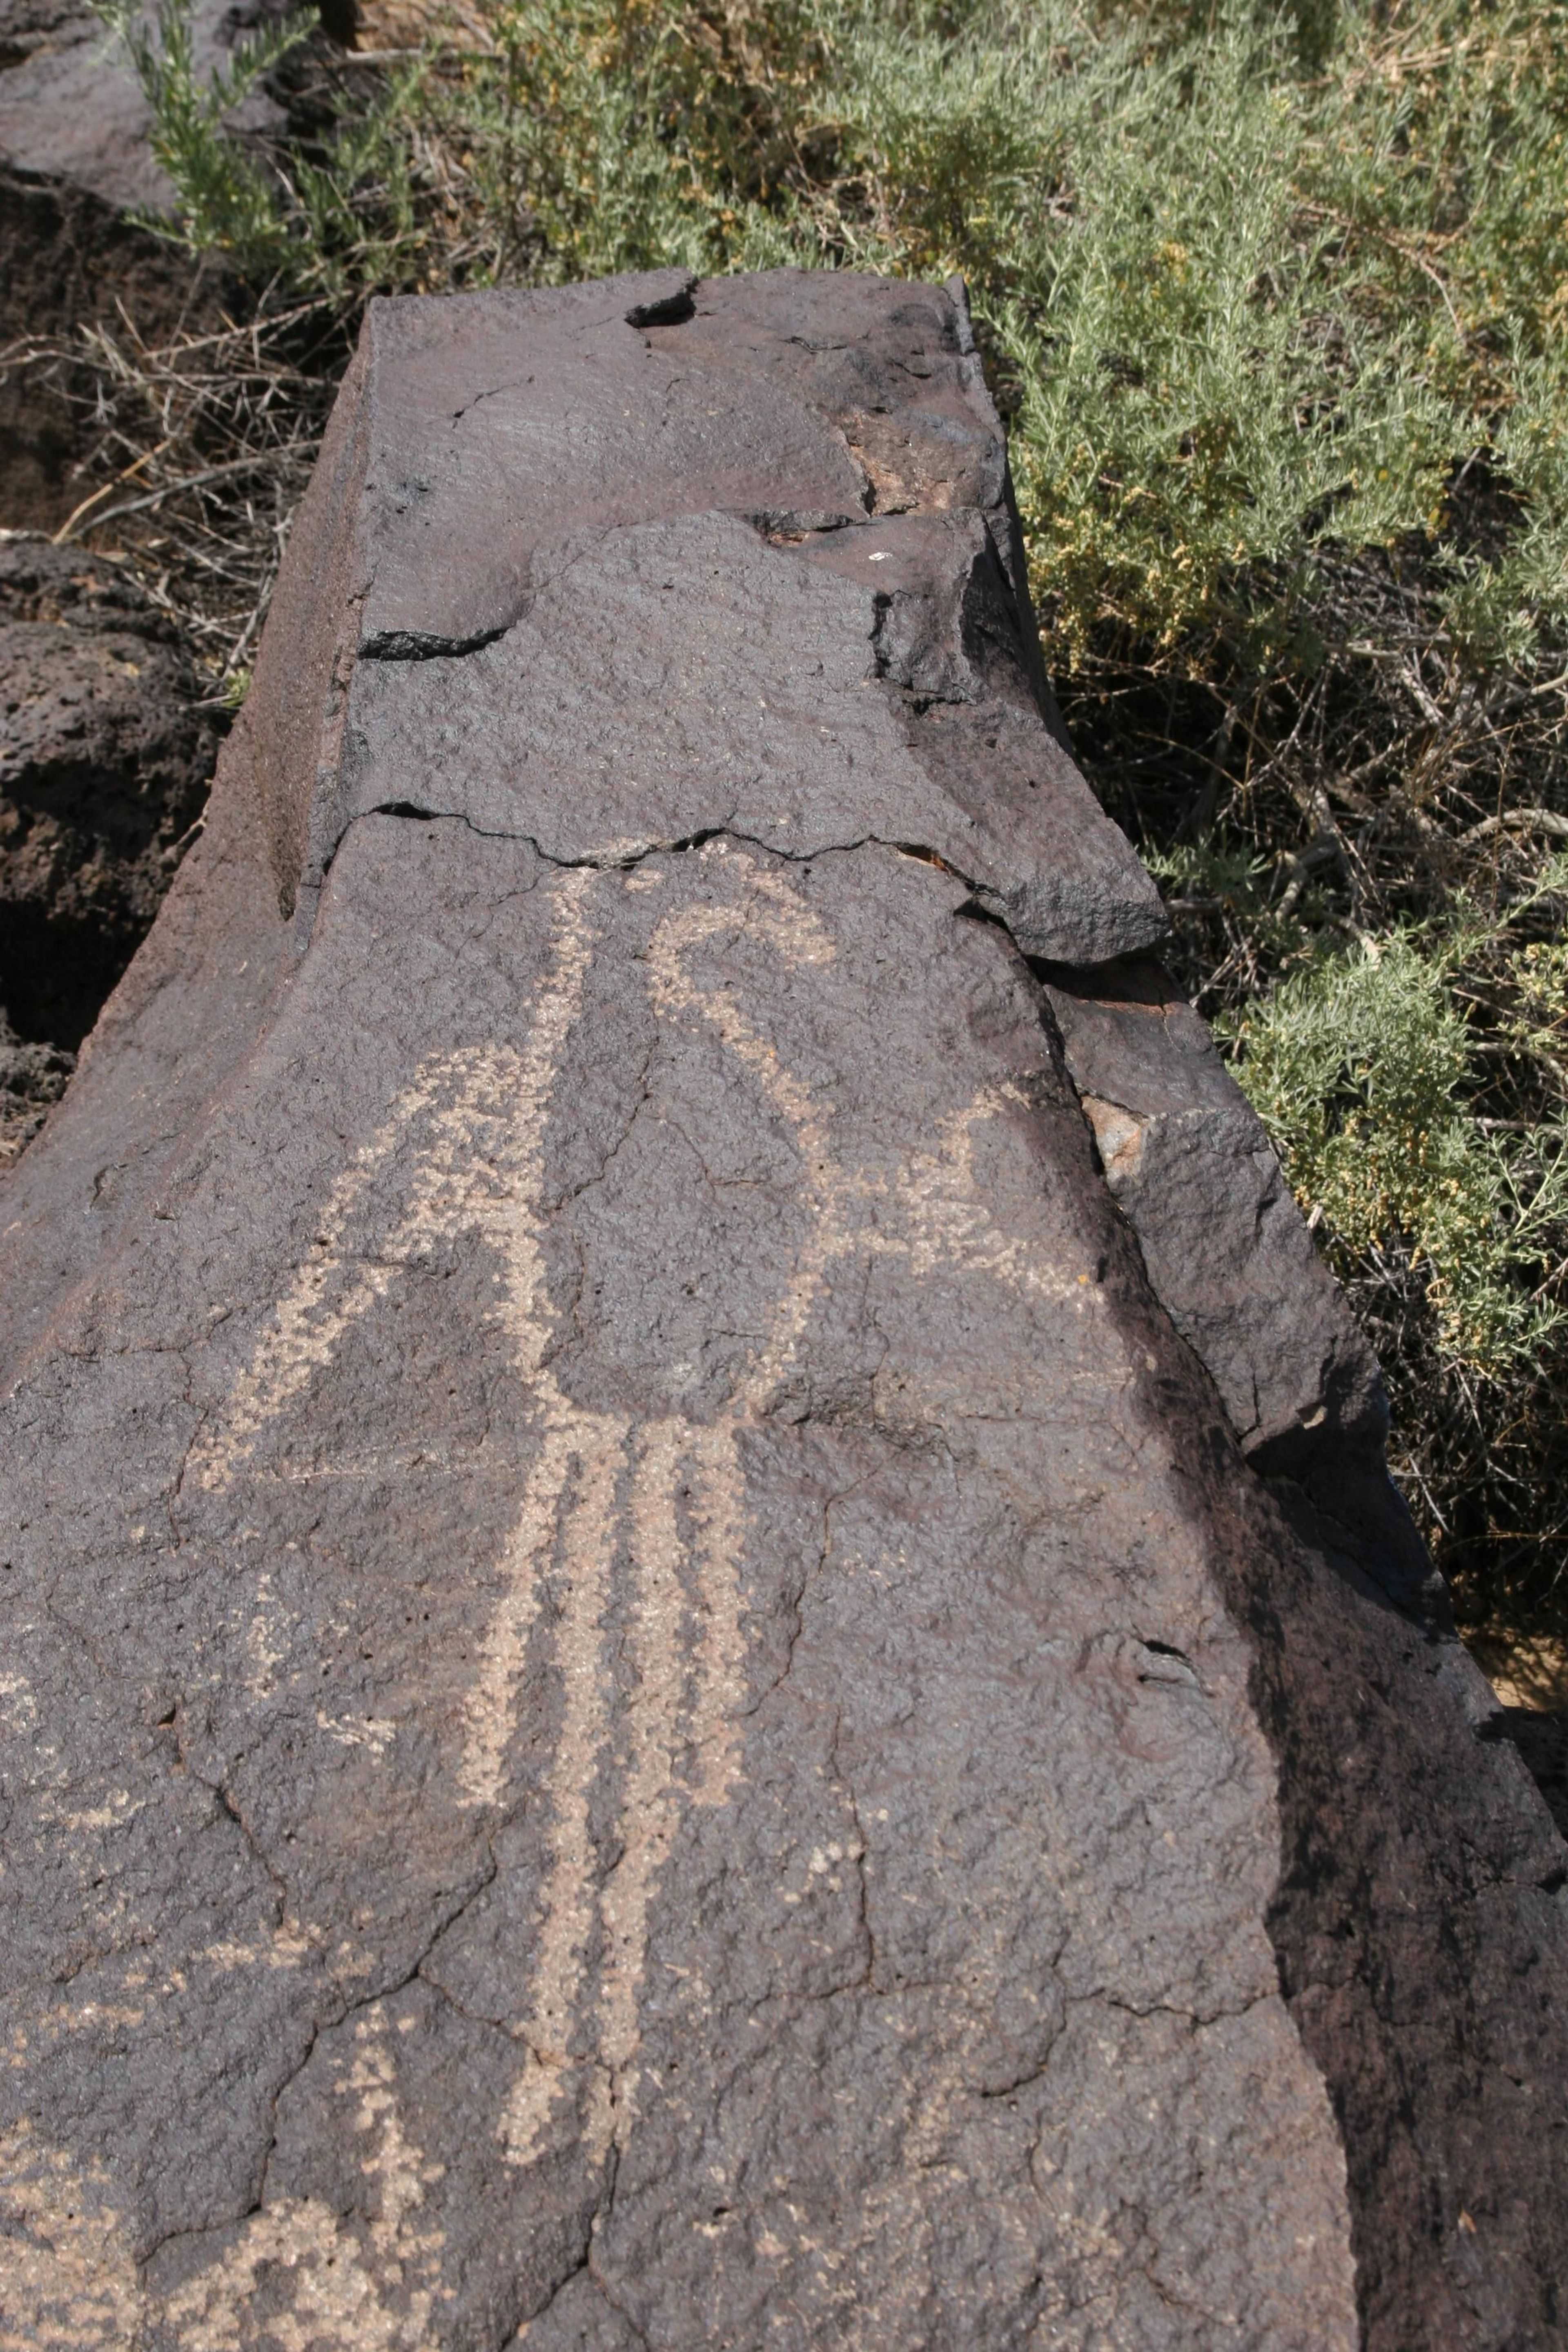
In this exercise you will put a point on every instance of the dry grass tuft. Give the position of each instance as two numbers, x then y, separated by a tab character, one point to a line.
200	449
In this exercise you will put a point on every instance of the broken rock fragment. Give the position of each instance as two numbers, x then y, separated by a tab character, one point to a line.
652	1701
1186	1158
538	496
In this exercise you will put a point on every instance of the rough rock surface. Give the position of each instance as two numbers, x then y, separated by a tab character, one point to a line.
650	1704
33	1077
104	767
1187	1160
1542	1741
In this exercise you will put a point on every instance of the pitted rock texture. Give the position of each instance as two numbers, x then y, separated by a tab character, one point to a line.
648	1702
33	1077
530	486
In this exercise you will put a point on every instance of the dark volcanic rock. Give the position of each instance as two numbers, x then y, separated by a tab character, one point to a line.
32	1080
1187	1160
495	502
651	1702
104	766
71	109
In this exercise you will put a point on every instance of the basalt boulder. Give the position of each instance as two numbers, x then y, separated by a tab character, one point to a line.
105	761
705	1642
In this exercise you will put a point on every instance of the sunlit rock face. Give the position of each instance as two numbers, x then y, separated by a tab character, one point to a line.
653	1698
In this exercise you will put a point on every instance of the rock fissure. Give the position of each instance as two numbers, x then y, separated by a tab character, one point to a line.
417	646
983	904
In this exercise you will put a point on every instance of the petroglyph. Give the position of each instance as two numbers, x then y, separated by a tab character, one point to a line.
348	2292
561	1959
661	1504
626	1532
68	2281
716	1507
638	1524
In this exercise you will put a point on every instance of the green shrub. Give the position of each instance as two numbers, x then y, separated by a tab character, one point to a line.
227	201
1363	1068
